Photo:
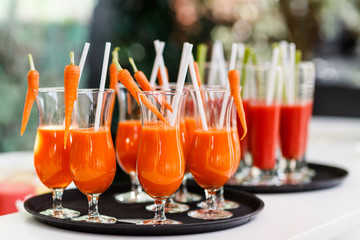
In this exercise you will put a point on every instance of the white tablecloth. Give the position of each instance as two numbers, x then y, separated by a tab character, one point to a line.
325	214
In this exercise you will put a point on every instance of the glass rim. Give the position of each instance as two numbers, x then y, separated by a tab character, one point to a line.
161	92
80	90
209	90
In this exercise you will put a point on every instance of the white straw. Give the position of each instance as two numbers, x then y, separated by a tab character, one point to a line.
241	51
156	63
197	92
163	73
213	65
180	79
83	58
292	50
102	84
272	75
226	95
284	47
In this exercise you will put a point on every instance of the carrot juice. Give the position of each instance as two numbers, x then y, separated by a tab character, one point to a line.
294	122
160	162
212	157
264	130
127	144
51	160
92	160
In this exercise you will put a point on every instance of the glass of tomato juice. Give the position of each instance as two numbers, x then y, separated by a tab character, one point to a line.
92	155
51	158
160	160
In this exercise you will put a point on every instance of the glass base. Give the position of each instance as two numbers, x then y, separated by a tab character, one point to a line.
133	197
158	222
210	214
170	207
96	219
187	197
292	171
259	177
225	204
65	213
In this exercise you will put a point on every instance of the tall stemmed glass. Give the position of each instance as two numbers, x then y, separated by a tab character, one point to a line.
160	163
127	145
51	159
92	155
211	160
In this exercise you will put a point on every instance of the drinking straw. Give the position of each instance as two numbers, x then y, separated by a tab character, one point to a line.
158	45
102	84
180	79
213	65
156	65
83	58
226	96
197	92
241	51
272	75
292	50
201	51
284	47
222	64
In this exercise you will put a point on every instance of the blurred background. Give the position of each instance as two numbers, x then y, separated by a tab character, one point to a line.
327	32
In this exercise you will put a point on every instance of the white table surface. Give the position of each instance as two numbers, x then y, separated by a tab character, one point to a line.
325	214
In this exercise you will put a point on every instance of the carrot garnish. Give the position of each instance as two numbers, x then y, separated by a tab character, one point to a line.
234	82
198	78
127	80
71	81
113	72
33	86
141	78
159	76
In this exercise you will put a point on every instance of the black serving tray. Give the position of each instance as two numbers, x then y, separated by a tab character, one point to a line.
325	177
250	206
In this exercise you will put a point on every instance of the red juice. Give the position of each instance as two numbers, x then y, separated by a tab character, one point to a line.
264	131
294	122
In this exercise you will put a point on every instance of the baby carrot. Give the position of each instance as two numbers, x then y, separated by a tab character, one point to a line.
141	78
160	77
113	72
198	78
33	85
71	81
234	81
127	80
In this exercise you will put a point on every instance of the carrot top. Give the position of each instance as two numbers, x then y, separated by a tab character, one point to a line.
33	85
127	80
234	82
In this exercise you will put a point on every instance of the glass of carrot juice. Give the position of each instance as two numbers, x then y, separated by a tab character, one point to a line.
92	155
264	113
160	161
211	159
295	114
51	158
127	144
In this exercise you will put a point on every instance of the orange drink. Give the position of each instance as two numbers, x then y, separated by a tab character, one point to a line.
93	164
51	160
127	144
161	165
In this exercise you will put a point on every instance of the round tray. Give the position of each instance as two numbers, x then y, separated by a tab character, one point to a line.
325	177
74	199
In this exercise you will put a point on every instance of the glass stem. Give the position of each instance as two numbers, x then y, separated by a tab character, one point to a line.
135	184
93	200
160	210
57	199
220	195
210	195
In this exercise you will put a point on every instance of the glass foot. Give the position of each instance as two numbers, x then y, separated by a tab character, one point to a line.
226	204
132	197
170	207
158	222
210	214
65	213
96	219
187	197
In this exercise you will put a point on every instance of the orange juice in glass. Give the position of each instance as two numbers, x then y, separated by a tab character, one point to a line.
160	162
92	155
51	159
212	156
127	144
